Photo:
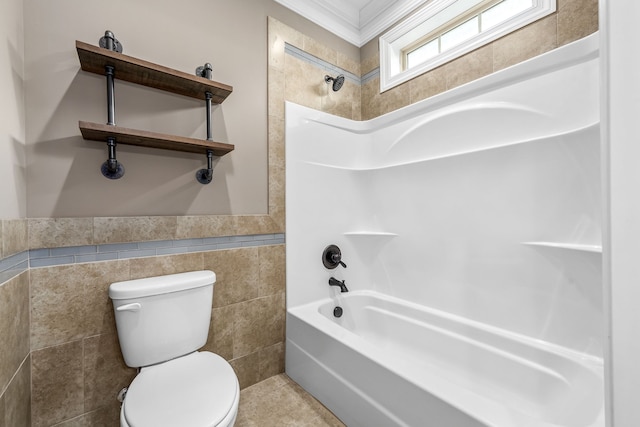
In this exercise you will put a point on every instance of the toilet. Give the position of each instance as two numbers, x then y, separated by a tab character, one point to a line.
162	322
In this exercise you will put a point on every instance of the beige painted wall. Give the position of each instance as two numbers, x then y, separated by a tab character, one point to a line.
63	172
12	124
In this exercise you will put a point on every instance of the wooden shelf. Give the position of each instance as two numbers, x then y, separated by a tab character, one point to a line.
100	132
93	59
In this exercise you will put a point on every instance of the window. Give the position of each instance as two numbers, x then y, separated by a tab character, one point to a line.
447	29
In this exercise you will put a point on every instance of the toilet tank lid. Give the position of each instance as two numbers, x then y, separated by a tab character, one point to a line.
161	284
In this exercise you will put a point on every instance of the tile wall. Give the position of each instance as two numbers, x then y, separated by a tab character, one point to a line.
77	366
61	362
15	361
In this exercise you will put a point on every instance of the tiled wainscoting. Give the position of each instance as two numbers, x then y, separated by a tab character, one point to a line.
61	362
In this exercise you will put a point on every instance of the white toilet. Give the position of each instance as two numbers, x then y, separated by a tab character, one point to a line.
161	323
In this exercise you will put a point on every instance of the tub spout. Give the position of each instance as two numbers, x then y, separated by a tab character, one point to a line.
335	282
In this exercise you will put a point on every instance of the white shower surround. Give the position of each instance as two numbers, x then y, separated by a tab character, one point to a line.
482	202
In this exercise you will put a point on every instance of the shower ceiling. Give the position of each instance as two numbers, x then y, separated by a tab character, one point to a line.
356	21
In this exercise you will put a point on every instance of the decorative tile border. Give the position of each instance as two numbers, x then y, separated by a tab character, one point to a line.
16	264
13	265
107	252
370	75
327	66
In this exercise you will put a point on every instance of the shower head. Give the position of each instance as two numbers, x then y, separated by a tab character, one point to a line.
337	81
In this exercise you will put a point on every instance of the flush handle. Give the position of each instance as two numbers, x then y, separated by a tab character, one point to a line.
134	306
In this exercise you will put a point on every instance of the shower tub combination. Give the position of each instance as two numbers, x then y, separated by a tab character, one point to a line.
435	332
387	362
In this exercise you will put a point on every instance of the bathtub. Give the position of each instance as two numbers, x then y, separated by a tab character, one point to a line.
470	224
389	362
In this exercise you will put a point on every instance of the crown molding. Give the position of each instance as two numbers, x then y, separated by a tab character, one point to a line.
356	21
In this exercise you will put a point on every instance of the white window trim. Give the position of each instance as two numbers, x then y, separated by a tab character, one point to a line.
392	43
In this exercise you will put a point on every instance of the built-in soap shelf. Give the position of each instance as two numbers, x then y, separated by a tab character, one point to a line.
372	238
567	246
369	234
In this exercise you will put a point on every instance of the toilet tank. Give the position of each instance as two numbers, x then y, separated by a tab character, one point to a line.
161	318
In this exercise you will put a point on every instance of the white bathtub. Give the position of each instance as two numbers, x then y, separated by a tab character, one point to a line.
389	362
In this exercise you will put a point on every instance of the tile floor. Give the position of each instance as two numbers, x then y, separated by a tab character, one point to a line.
278	401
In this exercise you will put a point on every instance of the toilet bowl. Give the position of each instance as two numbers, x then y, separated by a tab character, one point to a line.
197	390
161	322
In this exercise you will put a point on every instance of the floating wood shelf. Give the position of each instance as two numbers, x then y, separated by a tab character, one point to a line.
110	62
100	132
94	59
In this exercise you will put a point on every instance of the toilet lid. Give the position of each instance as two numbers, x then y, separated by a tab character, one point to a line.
197	390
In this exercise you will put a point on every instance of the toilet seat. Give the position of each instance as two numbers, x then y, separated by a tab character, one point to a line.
197	390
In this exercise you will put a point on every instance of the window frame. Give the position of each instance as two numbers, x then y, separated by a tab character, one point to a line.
395	43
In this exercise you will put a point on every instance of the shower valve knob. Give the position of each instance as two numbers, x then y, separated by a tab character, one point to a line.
336	258
332	257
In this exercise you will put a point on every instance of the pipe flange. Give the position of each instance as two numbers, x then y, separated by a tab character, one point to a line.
204	176
111	173
104	43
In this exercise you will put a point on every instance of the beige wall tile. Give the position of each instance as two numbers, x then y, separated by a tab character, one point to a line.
532	40
370	64
14	237
349	64
251	224
14	326
70	302
344	102
258	323
247	369
276	145
248	327
576	19
133	229
395	98
428	84
192	227
271	361
237	273
220	340
57	392
304	83
276	79
371	103
469	67
161	265
2	411
18	398
319	50
272	270
107	416
276	50
59	232
98	276
287	33
57	305
105	372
